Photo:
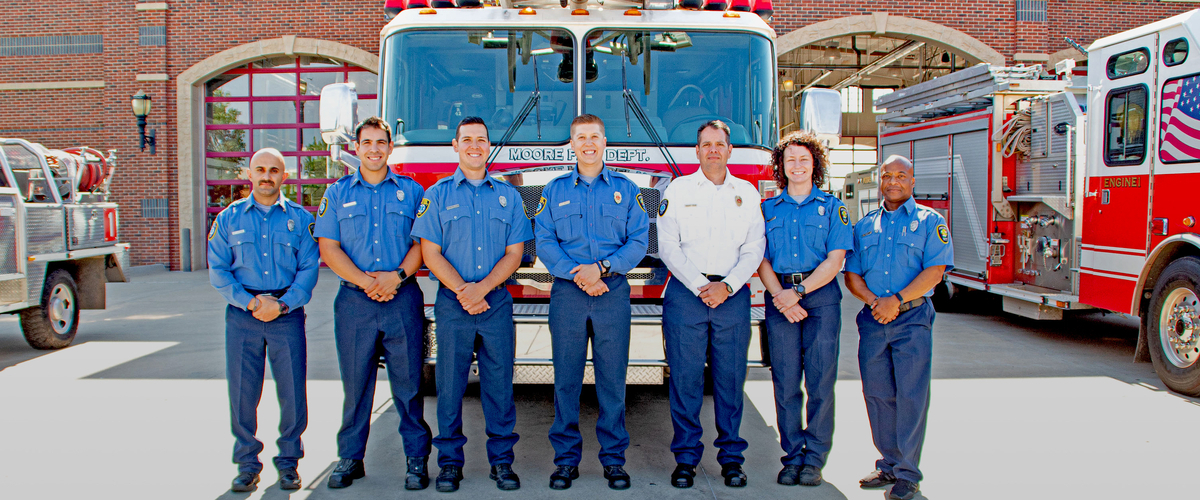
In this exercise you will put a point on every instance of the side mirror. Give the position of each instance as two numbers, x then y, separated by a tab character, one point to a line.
821	113
339	113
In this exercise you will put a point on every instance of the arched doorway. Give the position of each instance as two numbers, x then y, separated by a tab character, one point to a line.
865	57
192	116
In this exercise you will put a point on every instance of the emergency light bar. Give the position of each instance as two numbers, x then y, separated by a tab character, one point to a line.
739	5
392	7
764	9
658	4
718	5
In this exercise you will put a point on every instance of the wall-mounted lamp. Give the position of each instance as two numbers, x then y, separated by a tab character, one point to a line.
141	108
789	86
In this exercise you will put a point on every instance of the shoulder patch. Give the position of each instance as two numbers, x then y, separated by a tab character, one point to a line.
424	207
540	206
312	230
662	208
943	234
212	232
321	208
641	202
844	215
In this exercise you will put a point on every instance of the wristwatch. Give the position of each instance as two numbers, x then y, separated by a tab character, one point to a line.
403	274
283	308
729	288
254	304
605	266
800	291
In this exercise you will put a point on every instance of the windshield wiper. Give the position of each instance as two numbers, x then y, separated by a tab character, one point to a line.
531	104
632	104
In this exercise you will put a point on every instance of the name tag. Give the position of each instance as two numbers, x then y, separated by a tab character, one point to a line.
452	207
349	204
239	231
568	202
690	205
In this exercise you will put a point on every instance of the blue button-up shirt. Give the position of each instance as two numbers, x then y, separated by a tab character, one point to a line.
472	224
892	248
373	222
580	223
801	235
263	251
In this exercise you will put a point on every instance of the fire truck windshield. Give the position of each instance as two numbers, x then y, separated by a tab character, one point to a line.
433	79
682	80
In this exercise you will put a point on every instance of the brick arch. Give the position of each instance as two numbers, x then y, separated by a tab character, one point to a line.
881	23
189	93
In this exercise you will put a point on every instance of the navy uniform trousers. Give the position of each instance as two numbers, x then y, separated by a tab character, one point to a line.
574	317
694	333
248	343
894	360
362	328
805	352
460	336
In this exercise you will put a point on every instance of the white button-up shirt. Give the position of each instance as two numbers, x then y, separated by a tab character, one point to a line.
704	229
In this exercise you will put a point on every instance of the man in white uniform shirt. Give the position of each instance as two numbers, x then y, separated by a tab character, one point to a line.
710	235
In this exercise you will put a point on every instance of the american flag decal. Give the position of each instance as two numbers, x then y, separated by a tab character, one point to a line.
1179	130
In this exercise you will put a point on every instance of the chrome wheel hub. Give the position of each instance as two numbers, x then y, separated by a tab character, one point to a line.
1179	328
61	309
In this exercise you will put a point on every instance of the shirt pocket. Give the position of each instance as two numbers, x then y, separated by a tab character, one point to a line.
692	223
868	250
816	235
778	240
456	225
613	218
243	252
499	220
352	223
399	222
286	246
912	247
568	222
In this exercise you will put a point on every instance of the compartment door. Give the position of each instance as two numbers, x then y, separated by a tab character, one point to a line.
12	255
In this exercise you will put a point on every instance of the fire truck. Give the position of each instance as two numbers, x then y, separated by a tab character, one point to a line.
653	71
58	237
1071	192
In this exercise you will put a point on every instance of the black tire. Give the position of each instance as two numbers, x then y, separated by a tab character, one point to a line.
944	297
53	324
428	380
1173	322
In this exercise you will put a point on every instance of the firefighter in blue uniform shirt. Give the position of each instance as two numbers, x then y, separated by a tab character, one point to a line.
363	225
592	228
473	231
710	236
900	252
262	258
808	234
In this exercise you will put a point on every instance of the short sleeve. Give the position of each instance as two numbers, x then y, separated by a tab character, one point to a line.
853	263
428	224
939	248
327	221
841	231
521	230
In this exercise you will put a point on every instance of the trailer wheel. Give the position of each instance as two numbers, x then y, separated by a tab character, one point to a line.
53	324
1174	326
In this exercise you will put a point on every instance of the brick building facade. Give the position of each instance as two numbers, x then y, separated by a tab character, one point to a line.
67	71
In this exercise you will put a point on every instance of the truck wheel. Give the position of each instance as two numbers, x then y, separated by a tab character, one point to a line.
1174	326
52	325
944	298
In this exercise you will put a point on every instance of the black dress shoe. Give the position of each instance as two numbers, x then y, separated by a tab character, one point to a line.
789	475
734	476
245	481
447	481
810	475
617	478
903	490
289	479
683	475
347	470
505	478
876	479
417	475
562	476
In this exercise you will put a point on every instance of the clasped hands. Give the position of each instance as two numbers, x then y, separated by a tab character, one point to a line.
587	277
264	307
383	285
885	309
788	302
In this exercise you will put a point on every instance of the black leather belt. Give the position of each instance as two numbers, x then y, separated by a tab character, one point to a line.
792	278
912	304
713	278
274	293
